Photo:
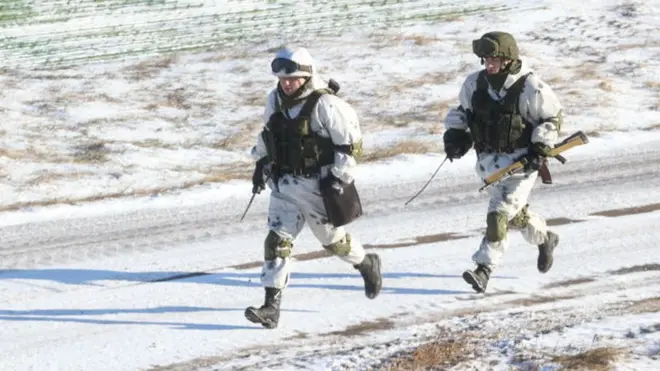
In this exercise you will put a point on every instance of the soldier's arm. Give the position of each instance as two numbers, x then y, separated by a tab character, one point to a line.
259	150
457	118
544	111
343	126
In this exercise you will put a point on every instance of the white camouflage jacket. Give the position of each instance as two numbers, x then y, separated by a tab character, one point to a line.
331	117
538	105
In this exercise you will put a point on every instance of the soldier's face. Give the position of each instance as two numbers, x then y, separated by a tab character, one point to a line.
290	85
495	64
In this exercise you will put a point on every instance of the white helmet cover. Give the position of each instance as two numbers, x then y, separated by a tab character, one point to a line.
301	63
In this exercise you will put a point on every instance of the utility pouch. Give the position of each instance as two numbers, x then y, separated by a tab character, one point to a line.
341	207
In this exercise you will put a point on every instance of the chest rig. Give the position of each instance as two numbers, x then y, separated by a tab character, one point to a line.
293	147
497	125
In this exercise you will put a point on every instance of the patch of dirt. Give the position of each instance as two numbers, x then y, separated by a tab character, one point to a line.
363	328
300	257
536	300
636	269
562	221
570	282
419	240
629	210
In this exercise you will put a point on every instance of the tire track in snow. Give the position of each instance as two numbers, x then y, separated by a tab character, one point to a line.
74	240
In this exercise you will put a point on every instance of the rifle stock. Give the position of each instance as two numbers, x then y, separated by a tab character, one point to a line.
576	139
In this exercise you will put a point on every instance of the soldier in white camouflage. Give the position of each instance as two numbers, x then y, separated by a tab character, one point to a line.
506	113
306	153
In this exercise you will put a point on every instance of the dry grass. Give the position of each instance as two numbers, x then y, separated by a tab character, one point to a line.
649	305
655	126
408	146
177	98
598	359
587	71
95	152
431	78
652	84
435	355
605	85
33	154
419	40
241	139
229	172
362	328
45	176
147	69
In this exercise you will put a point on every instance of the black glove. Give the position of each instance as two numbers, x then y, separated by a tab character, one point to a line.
457	143
258	181
536	153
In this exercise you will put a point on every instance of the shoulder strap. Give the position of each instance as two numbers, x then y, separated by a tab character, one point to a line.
311	101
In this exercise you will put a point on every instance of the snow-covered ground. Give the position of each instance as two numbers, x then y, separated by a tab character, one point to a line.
160	282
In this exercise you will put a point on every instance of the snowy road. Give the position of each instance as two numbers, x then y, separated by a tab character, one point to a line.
101	291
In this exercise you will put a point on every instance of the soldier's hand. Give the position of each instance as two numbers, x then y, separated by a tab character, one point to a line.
535	155
258	181
457	143
532	162
541	149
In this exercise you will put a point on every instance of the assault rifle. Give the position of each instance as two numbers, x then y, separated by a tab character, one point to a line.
575	139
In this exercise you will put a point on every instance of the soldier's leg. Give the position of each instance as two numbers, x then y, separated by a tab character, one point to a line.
507	199
341	244
535	231
531	225
285	222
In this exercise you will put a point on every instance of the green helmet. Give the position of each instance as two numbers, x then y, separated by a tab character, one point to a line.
496	44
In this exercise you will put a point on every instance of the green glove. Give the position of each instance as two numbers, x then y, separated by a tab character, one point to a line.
541	149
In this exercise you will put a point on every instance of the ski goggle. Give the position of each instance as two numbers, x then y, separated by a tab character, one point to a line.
288	66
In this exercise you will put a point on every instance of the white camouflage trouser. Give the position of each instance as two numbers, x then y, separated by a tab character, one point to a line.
509	198
297	202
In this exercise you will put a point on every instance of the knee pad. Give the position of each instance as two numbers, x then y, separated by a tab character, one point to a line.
496	226
276	246
521	219
341	247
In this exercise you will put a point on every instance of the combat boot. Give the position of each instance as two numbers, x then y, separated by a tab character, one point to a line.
268	315
370	271
478	278
544	262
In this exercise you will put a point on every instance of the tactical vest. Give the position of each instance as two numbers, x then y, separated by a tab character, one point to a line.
498	126
293	147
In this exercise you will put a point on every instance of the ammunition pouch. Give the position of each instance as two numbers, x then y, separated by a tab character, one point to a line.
341	207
